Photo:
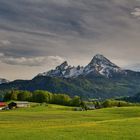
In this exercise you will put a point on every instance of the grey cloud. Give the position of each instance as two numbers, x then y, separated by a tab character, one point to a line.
79	18
1	54
72	29
32	61
136	12
5	42
135	67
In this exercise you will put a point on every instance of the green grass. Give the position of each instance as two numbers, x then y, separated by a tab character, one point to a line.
54	122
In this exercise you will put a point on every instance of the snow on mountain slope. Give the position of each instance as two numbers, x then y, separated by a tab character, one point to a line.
64	70
2	81
99	65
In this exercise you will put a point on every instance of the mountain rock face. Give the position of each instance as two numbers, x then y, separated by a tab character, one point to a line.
2	81
64	71
99	79
98	65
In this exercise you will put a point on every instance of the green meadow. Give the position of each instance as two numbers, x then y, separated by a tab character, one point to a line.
55	122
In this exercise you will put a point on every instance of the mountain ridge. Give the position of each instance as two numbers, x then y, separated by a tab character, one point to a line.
99	79
99	64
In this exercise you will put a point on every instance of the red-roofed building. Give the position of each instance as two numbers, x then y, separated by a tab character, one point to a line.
2	104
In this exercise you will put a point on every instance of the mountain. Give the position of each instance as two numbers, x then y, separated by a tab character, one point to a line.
64	71
99	79
2	81
98	65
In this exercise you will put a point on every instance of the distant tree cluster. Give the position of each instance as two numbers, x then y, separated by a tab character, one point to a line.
41	96
115	103
18	95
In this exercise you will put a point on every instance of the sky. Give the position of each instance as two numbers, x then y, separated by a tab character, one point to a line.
38	35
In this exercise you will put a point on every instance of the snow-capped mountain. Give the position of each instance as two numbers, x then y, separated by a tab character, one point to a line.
99	65
64	70
99	79
2	81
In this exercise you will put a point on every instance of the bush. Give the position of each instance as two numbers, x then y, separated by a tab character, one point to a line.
76	101
115	103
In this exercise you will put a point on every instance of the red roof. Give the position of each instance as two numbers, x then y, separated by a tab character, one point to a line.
2	104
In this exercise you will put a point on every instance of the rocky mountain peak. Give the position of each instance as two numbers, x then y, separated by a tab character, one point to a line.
99	60
64	65
98	65
99	56
103	66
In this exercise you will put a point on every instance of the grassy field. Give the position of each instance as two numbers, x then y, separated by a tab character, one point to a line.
61	123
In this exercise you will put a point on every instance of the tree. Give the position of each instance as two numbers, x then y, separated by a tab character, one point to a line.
83	105
11	95
61	99
1	97
98	104
24	96
76	101
107	103
7	96
42	96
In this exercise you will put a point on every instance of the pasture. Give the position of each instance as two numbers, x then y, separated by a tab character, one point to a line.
54	122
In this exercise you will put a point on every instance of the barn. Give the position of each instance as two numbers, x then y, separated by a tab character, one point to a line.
22	104
18	104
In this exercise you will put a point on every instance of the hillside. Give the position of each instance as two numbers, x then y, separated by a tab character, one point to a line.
99	79
133	99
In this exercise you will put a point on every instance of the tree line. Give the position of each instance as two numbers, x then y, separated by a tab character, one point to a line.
41	96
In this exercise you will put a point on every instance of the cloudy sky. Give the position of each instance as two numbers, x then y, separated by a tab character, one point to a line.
37	35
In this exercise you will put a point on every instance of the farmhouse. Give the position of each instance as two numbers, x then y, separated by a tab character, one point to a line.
2	105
